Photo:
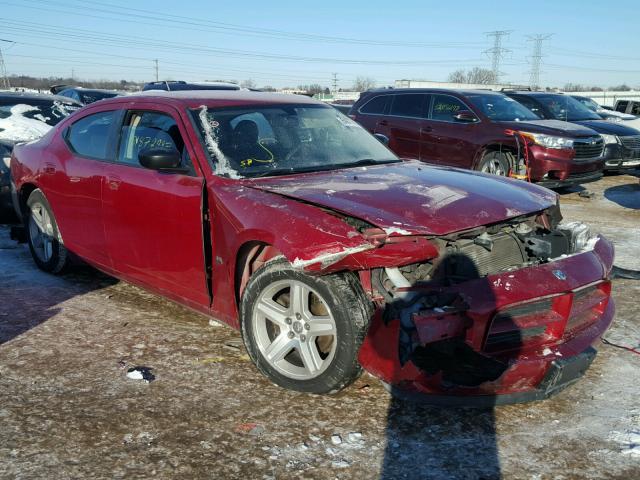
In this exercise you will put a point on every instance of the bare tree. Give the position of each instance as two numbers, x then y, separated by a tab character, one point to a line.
248	83
362	84
477	75
621	88
459	76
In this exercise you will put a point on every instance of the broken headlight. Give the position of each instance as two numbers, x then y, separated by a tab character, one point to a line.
579	235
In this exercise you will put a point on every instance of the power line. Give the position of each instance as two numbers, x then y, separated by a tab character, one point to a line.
536	58
498	51
125	14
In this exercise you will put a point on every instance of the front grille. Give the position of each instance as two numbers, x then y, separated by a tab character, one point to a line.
588	147
631	142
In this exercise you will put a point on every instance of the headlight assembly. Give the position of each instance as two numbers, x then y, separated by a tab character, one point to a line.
549	141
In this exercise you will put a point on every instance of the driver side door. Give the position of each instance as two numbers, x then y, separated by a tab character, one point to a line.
153	219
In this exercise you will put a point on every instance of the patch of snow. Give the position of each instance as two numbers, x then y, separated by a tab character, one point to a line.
209	125
629	442
17	127
336	439
327	259
439	196
399	231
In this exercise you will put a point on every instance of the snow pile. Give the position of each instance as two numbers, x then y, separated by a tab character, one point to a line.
18	128
629	442
209	125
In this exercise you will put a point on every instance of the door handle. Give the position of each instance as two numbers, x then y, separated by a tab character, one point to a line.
426	129
383	123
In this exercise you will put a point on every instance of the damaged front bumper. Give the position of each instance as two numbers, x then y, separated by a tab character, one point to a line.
516	336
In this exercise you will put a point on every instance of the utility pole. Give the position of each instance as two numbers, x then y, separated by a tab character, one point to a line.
536	58
73	74
335	83
157	76
4	81
498	52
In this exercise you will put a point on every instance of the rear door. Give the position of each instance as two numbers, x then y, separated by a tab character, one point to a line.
77	202
372	112
444	140
153	220
403	123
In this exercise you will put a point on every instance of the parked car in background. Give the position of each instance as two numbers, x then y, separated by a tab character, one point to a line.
87	95
631	107
284	218
481	130
178	85
622	142
25	117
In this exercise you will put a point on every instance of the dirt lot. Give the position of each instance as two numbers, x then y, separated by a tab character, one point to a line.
67	409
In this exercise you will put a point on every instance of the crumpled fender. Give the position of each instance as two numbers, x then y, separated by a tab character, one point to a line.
311	238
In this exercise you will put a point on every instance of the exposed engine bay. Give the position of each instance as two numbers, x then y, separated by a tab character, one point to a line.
428	289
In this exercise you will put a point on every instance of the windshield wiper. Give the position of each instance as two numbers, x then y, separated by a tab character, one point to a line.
320	168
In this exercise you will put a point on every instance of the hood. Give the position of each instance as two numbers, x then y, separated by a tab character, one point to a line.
610	128
412	198
603	112
551	127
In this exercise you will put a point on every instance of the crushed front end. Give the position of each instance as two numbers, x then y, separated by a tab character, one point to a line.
504	313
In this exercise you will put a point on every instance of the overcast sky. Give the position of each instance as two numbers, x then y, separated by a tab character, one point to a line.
287	43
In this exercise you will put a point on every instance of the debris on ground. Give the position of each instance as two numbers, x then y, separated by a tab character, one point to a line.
354	437
619	272
141	373
234	344
586	194
215	324
336	439
250	428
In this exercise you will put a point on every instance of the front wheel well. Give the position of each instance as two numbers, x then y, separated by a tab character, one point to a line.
251	256
508	150
23	196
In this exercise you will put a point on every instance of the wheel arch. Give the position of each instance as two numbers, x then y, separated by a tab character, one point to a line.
251	255
509	150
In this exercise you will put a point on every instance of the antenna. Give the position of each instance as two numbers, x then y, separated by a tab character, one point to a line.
498	51
536	58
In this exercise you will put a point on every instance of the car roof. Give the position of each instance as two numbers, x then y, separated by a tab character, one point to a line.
84	89
36	96
459	91
197	98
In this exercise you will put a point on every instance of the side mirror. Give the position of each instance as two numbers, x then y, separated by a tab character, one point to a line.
383	139
465	116
159	159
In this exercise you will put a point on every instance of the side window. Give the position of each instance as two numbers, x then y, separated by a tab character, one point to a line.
445	107
150	131
375	106
531	105
635	108
621	106
408	105
89	136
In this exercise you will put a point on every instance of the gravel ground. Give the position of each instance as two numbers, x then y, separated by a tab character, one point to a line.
68	410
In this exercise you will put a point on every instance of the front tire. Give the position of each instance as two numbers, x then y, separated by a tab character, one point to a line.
304	332
43	235
495	163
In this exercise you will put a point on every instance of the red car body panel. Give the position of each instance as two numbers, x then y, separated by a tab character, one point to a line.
152	228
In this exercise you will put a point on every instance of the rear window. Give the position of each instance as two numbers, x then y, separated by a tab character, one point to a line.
375	106
408	105
89	136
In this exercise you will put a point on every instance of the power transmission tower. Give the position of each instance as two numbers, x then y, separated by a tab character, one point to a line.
335	82
536	58
4	81
498	52
157	76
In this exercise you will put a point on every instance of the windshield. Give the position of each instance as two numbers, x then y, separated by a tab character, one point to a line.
91	96
501	108
590	104
280	139
564	107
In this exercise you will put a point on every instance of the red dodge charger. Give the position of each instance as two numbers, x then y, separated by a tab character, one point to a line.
285	219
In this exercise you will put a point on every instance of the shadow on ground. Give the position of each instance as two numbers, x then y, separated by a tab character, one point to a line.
627	196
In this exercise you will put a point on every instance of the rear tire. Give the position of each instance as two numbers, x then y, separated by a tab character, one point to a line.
495	163
304	332
43	235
